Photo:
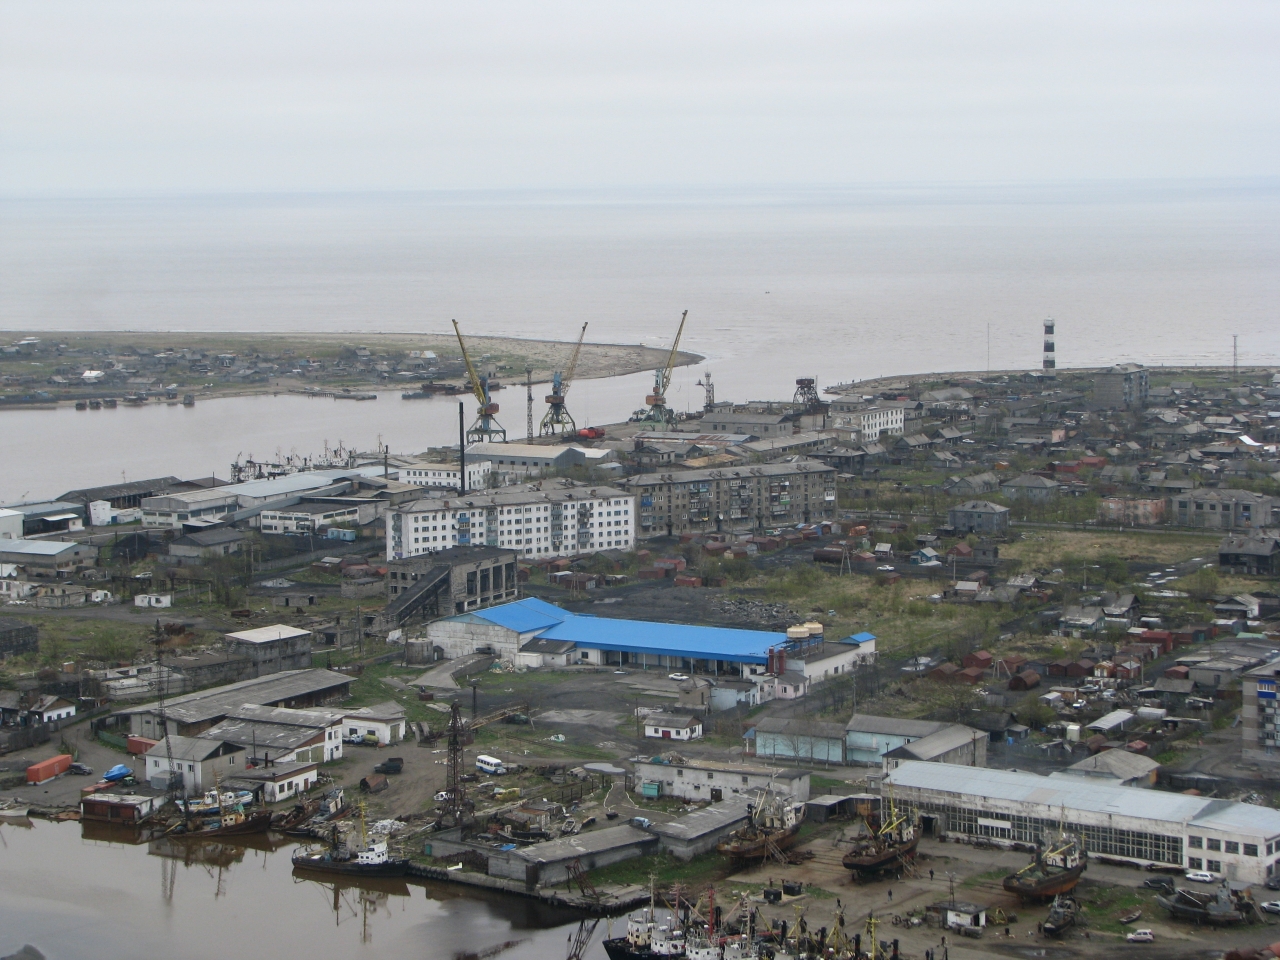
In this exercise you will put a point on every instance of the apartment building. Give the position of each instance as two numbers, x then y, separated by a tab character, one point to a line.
741	499
550	518
1222	509
871	423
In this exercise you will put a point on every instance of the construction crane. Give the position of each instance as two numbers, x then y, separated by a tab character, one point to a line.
458	810
486	426
658	411
556	421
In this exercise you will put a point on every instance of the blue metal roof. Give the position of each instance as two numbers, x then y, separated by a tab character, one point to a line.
524	616
668	639
859	638
631	636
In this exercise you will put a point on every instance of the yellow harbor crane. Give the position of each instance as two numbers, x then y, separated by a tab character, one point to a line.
557	419
486	426
656	402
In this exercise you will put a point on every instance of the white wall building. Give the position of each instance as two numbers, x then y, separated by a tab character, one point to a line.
551	518
870	423
158	600
667	726
308	517
445	474
103	514
386	721
711	780
1235	841
10	524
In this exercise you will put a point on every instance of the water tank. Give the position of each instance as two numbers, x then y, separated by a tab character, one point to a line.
798	633
814	628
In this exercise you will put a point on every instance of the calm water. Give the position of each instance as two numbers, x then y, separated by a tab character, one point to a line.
836	284
100	899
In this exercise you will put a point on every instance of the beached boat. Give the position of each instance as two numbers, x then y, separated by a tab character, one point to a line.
773	825
1222	908
892	840
1055	869
1063	914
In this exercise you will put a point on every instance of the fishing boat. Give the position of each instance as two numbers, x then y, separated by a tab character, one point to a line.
892	841
110	403
647	937
1063	914
354	855
95	404
1055	869
219	814
82	404
773	824
1222	908
188	399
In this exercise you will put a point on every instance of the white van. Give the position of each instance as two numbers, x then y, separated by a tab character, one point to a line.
490	765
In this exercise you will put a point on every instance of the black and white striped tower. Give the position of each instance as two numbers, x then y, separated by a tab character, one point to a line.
1049	362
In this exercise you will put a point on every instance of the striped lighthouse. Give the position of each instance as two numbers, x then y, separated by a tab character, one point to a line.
1049	362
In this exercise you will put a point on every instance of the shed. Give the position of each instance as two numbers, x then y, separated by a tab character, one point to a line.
1026	680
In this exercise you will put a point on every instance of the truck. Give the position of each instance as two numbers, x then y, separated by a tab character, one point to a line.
390	765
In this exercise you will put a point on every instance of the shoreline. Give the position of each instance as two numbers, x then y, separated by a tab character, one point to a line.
507	356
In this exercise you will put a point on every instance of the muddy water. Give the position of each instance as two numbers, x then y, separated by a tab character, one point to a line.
77	893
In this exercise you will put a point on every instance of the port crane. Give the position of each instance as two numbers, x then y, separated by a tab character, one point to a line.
557	419
658	411
486	426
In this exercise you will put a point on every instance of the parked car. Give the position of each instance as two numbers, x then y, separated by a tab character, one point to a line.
1141	936
885	567
1270	906
1200	876
677	676
1273	883
442	796
81	769
1159	883
641	822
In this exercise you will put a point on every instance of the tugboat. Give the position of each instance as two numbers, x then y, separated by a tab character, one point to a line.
893	840
362	857
1053	871
1063	914
1224	908
773	825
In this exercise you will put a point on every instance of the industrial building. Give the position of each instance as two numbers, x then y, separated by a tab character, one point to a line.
520	461
311	517
446	474
48	557
753	655
550	518
193	713
712	780
454	580
742	499
271	649
282	735
214	504
1237	841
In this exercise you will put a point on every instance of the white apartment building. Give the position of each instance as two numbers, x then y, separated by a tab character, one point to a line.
871	423
551	518
445	474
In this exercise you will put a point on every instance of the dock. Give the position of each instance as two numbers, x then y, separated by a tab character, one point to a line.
612	901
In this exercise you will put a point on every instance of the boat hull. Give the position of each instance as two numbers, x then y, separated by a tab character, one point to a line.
254	823
323	864
749	849
1045	888
872	864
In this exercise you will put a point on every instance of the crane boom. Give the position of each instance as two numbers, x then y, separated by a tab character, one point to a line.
471	368
573	363
671	359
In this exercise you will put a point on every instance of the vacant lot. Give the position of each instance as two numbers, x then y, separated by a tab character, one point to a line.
1047	549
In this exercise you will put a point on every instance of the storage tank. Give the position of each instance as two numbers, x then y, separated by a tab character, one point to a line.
814	628
798	633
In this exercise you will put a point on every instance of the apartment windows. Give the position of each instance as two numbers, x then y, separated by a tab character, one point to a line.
1195	863
1231	847
1196	843
1214	844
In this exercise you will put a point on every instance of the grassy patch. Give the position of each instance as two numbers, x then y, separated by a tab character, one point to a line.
1046	549
990	876
819	784
1105	906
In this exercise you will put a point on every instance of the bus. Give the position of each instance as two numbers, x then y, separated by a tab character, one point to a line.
490	765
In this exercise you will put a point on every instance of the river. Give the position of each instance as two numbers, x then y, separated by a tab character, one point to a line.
76	898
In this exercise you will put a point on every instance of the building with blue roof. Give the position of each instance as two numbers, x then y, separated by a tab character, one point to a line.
510	630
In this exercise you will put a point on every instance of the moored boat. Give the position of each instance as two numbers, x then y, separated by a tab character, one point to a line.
354	855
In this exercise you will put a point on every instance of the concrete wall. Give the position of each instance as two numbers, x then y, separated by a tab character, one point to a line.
458	639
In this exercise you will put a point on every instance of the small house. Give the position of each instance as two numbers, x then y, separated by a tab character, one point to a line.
670	727
386	721
981	659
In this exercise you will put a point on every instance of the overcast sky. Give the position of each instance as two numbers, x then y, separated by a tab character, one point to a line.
125	96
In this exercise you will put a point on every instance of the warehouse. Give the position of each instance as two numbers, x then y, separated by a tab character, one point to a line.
1233	840
648	645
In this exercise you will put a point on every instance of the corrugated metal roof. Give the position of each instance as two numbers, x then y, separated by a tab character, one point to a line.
1087	794
632	636
866	723
37	548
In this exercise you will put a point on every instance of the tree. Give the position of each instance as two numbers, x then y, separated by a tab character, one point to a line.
1203	584
1034	713
952	701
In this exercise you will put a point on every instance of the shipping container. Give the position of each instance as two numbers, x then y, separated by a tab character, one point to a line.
48	769
140	745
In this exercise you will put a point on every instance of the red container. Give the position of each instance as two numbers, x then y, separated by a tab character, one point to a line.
48	769
140	745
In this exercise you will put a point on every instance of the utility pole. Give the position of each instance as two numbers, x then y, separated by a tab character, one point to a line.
1235	354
